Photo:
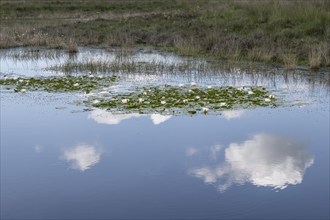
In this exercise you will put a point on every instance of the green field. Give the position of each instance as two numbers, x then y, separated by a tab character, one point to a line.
283	32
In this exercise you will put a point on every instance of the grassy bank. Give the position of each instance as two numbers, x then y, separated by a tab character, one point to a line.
286	32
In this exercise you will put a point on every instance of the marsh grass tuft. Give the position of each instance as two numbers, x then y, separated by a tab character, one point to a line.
289	60
319	55
260	54
71	46
125	64
187	47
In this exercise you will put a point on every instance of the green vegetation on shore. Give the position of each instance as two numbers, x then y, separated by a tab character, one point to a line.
272	31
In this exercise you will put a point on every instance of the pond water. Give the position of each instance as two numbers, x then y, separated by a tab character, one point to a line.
61	162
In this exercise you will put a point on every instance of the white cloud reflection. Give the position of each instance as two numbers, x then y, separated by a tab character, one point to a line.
38	148
191	151
102	116
232	114
158	119
265	160
82	156
215	149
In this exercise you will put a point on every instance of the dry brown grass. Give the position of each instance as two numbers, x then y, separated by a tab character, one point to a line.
314	58
119	39
290	60
226	48
187	46
71	46
260	54
319	55
235	54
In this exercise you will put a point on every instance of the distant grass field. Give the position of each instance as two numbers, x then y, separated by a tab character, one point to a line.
271	31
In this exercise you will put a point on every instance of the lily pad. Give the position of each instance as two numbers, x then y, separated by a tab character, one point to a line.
186	100
58	84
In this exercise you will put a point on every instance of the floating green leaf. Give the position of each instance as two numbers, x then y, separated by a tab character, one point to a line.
187	100
58	84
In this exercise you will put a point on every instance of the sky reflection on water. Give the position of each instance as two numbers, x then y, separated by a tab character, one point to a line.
102	116
266	163
92	166
265	160
82	156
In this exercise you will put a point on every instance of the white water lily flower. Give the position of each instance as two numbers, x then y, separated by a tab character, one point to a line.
271	96
163	97
209	87
205	109
190	90
100	77
23	90
76	84
223	104
141	100
250	92
125	101
144	93
181	85
267	100
197	97
96	101
193	84
185	100
20	80
163	102
91	76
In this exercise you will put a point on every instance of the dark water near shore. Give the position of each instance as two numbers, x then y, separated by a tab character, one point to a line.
251	163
